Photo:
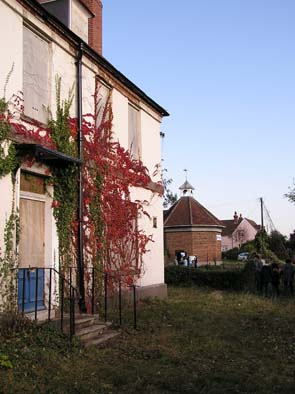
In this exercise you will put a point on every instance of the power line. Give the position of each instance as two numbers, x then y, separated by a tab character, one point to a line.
269	219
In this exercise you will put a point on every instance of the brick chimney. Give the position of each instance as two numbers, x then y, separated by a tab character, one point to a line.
95	25
236	218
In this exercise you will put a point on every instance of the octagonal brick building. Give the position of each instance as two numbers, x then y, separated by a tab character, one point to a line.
189	226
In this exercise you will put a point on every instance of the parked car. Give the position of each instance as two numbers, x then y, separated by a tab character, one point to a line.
243	256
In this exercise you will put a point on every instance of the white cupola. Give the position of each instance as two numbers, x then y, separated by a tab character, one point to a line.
186	189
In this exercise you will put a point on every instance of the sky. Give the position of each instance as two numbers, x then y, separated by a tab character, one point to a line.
225	71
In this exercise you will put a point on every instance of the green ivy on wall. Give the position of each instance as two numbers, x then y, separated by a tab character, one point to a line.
9	260
64	178
8	161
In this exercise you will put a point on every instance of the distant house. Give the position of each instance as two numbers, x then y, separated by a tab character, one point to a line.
237	231
191	227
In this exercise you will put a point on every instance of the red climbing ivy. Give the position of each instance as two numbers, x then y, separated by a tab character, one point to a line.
113	240
111	233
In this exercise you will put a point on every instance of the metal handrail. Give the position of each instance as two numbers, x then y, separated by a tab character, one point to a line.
118	278
63	279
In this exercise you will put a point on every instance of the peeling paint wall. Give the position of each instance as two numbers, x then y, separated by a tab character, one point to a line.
61	61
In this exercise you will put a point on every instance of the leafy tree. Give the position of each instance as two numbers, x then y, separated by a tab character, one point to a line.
169	197
291	194
248	246
261	241
291	244
277	244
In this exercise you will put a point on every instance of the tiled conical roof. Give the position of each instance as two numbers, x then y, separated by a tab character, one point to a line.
189	212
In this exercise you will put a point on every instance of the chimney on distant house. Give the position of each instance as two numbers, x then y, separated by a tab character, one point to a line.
95	24
236	218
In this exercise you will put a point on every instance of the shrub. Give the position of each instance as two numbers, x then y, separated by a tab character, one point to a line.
220	280
13	322
231	254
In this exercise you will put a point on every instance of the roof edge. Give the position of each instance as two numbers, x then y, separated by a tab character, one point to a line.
69	34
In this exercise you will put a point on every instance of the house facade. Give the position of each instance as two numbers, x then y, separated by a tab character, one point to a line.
189	226
237	231
55	46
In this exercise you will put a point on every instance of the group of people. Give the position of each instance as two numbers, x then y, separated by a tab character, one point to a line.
182	258
268	277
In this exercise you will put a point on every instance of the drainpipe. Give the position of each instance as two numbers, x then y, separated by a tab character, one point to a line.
80	262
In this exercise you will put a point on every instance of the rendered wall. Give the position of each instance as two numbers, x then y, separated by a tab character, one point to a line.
153	260
62	59
11	30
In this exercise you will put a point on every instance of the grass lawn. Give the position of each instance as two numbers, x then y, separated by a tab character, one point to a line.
197	341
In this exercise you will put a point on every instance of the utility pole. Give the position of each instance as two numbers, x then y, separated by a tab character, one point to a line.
262	224
261	208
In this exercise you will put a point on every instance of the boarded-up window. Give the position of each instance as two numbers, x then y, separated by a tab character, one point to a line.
134	132
79	20
36	75
32	225
103	93
32	183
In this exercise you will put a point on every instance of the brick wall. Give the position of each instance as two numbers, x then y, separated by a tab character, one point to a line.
177	241
95	25
194	243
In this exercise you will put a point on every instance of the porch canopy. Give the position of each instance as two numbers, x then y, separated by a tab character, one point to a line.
47	155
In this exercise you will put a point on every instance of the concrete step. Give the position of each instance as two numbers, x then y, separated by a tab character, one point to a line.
89	328
42	315
83	320
93	331
106	336
90	332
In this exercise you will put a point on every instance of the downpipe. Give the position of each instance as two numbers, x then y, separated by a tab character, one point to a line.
80	262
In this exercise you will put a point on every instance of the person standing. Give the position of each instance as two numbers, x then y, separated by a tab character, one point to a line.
288	276
275	280
258	268
266	278
196	261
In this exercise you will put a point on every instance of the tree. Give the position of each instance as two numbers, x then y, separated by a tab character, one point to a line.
277	244
291	244
169	197
291	194
261	241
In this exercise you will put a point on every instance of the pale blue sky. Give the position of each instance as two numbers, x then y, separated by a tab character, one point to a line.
225	71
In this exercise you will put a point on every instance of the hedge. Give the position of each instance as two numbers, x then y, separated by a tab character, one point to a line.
220	280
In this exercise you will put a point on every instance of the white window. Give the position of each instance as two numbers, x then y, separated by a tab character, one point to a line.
134	142
36	75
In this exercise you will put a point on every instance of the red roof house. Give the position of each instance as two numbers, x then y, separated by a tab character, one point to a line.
189	226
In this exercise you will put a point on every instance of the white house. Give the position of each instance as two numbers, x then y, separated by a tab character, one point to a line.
40	40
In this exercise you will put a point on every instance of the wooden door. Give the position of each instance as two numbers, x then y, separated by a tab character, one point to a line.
32	242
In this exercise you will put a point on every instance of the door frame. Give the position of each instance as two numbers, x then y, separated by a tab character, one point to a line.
51	255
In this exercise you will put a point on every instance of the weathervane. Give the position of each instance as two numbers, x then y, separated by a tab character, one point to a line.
185	170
